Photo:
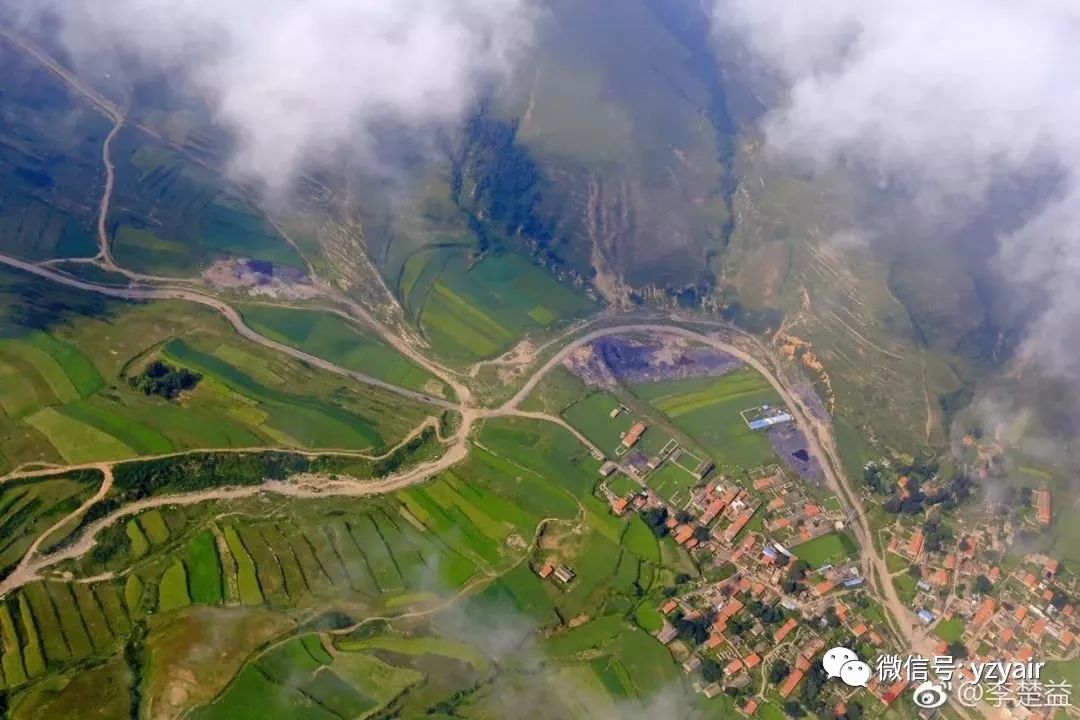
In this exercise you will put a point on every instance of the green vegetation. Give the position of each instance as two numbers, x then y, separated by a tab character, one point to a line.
475	310
342	343
173	590
66	392
828	549
951	631
707	409
30	506
179	216
164	380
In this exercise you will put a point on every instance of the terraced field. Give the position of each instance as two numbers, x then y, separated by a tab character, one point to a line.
478	533
28	508
65	360
177	217
473	311
330	337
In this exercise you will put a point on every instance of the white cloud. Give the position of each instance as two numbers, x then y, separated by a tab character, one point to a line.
950	98
295	79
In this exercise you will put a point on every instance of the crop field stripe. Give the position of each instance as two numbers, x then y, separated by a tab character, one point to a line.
139	544
400	551
267	566
381	561
173	588
76	441
204	569
326	554
246	577
46	367
14	672
33	654
80	372
71	620
315	576
22	390
133	592
44	616
153	524
136	436
355	560
97	625
111	603
295	585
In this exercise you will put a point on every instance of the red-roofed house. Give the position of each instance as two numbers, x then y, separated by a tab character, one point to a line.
738	524
985	611
894	692
791	683
634	434
1042	504
824	587
683	533
916	544
750	707
786	629
751	661
714	509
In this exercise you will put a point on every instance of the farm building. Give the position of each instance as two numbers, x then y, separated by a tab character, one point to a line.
634	434
1042	504
564	574
608	469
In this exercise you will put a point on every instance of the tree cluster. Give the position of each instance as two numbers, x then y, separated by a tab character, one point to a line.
164	380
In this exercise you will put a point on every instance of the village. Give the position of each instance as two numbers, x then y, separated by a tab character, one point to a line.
781	582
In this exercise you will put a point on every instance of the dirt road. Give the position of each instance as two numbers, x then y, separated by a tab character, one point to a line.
818	434
230	314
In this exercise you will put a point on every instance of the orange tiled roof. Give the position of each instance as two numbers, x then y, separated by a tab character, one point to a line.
791	683
786	629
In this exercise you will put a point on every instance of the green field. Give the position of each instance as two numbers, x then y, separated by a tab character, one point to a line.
30	506
474	311
672	483
951	631
828	549
592	416
329	336
65	360
178	217
707	409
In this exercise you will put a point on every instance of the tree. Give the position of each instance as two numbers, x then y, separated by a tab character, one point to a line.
778	671
711	671
656	519
794	709
982	585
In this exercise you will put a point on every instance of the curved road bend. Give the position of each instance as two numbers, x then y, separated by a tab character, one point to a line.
234	319
814	430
